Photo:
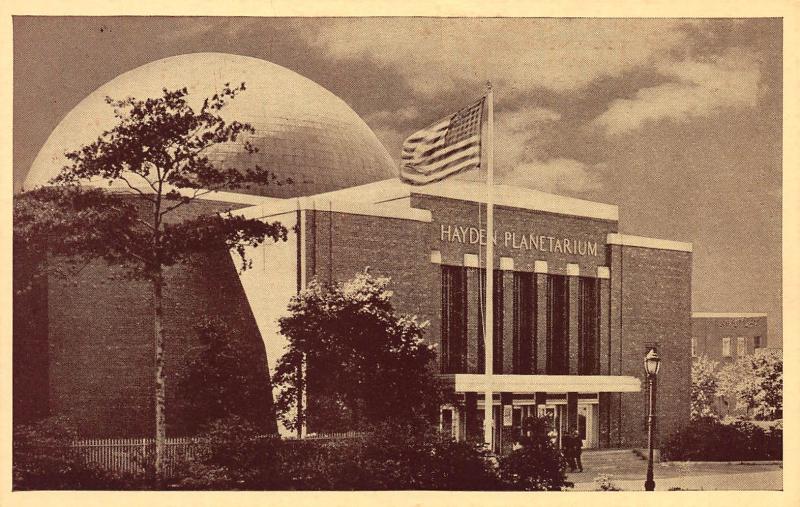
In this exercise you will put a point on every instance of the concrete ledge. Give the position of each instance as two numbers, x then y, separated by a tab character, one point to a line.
473	382
720	315
644	242
283	206
642	453
471	261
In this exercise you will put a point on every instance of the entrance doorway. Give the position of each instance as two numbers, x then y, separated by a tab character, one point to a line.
557	417
587	425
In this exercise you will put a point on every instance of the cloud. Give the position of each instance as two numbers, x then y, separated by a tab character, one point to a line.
400	116
516	133
437	55
697	88
558	175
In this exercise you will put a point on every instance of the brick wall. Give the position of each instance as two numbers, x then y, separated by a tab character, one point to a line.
650	306
342	245
100	330
30	379
709	332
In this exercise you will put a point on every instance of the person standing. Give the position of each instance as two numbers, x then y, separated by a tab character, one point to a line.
577	448
568	445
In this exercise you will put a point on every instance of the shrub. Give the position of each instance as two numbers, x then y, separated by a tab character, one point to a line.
390	457
755	383
411	457
537	464
603	482
708	439
705	384
225	379
43	459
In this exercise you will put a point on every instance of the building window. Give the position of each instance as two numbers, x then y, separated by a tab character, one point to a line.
447	422
694	347
524	336
454	319
588	326
497	335
757	343
741	346
557	325
726	346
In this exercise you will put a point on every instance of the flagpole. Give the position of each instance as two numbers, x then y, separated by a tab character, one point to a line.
488	341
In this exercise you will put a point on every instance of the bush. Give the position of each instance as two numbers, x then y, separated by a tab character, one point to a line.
708	439
389	458
603	482
537	465
415	458
43	459
755	383
233	455
230	455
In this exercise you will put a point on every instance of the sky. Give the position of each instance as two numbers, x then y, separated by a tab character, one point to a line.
677	121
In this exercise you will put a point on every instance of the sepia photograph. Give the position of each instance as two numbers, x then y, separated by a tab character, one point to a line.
397	254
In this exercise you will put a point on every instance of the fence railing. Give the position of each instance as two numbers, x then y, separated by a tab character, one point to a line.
131	455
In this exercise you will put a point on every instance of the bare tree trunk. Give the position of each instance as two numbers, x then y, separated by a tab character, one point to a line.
161	430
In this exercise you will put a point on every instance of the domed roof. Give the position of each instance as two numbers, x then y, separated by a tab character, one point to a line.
303	131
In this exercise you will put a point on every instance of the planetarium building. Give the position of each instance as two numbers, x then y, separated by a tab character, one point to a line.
577	303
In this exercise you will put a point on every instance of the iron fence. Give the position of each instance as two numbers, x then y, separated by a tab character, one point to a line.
132	455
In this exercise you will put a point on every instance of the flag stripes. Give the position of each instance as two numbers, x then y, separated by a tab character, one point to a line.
447	147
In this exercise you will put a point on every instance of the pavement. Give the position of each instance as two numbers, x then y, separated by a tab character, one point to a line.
627	472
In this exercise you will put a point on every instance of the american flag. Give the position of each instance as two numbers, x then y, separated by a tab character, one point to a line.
449	146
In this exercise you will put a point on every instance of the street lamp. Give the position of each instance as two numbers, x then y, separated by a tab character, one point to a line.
651	364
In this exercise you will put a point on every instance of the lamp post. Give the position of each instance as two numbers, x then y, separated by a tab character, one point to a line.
651	364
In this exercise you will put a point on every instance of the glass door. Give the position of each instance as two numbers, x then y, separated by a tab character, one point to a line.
587	425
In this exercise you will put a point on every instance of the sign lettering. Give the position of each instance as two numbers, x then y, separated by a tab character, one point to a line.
519	241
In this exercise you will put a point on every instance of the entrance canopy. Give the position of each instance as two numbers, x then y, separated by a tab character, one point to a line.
470	382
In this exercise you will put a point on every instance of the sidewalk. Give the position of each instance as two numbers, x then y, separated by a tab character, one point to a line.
627	471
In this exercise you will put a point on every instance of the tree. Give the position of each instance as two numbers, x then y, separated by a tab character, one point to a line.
704	387
221	382
755	383
365	363
157	154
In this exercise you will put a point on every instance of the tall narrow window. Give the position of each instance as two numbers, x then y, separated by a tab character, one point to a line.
447	422
557	325
497	335
524	353
726	346
694	347
757	343
741	346
588	326
454	319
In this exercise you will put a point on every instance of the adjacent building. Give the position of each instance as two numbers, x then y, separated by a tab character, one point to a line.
726	337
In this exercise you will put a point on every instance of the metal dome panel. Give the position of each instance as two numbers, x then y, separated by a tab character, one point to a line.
303	131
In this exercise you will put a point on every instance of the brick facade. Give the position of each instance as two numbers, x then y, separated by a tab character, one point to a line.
650	307
645	302
99	331
96	357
